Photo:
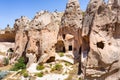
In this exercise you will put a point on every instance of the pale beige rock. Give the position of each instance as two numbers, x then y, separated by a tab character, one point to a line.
37	37
71	24
103	58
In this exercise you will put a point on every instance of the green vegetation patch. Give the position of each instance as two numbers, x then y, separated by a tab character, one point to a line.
39	74
40	67
19	65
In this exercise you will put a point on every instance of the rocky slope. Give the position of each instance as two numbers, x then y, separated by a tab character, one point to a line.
102	26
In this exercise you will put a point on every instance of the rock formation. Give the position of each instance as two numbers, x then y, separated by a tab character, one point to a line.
93	38
102	26
21	38
7	35
70	30
36	39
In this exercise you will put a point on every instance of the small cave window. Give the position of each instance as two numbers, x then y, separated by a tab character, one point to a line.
63	49
100	45
70	48
60	47
64	36
37	43
10	50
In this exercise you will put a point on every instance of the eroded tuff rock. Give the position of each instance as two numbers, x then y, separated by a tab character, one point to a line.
36	39
21	38
7	35
103	31
70	29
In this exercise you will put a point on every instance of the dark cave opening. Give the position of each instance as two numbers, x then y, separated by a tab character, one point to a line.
100	45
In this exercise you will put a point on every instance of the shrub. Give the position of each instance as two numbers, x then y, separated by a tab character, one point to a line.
57	67
40	67
61	54
25	74
40	74
19	65
6	61
23	71
67	64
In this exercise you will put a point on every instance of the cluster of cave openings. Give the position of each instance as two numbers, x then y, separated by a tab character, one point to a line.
60	47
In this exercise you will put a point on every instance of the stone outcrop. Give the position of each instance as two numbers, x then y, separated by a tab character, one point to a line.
36	39
70	30
7	35
21	38
102	27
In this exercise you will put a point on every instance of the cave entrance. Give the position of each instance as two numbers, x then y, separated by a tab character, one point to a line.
70	47
60	47
100	45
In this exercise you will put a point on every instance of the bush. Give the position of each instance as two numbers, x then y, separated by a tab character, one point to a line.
67	64
6	61
19	65
61	54
40	67
57	67
25	75
23	71
40	74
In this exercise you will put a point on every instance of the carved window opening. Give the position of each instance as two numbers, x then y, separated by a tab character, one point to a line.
70	47
100	45
64	36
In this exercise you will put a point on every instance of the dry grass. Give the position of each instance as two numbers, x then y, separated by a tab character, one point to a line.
5	67
2	53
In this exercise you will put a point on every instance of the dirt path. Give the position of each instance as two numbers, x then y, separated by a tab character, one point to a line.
5	67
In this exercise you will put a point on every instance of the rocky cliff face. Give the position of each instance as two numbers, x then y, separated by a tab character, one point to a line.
36	39
102	25
71	24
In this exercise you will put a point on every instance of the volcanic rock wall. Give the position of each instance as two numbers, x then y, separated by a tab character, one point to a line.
36	39
71	23
102	25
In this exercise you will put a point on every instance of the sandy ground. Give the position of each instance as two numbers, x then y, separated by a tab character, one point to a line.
4	46
53	77
5	67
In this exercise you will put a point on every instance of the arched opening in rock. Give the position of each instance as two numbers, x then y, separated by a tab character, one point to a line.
51	59
60	47
63	36
70	47
100	45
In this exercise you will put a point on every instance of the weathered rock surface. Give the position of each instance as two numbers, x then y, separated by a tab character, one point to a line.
102	26
71	24
7	35
21	38
36	38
